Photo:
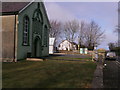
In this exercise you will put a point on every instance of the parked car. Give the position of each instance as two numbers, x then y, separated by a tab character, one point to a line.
111	56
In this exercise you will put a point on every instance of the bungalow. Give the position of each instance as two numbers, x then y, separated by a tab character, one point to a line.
25	30
67	45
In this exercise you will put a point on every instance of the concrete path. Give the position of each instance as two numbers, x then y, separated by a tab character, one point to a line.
98	76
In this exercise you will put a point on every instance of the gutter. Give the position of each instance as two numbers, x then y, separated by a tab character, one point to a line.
14	53
9	13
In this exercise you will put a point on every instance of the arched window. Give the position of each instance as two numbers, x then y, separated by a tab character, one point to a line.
26	25
45	36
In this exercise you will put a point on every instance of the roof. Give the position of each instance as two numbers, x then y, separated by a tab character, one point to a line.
73	43
13	7
101	50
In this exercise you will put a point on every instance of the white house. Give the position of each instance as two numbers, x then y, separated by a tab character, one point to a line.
67	45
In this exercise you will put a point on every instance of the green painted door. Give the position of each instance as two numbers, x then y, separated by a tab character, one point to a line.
37	47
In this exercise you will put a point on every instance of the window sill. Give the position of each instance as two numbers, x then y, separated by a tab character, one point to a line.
25	44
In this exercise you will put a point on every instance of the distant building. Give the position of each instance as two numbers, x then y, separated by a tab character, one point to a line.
67	45
25	28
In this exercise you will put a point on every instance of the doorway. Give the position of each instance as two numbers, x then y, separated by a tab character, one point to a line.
37	47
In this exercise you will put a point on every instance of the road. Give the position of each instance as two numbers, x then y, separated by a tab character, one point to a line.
111	74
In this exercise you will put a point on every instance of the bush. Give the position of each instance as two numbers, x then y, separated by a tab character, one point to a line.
91	48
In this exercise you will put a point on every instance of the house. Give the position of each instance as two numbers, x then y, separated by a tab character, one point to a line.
67	45
25	30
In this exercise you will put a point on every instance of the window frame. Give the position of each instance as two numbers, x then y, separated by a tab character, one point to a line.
45	36
26	28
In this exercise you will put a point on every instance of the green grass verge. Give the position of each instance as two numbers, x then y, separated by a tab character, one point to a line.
48	74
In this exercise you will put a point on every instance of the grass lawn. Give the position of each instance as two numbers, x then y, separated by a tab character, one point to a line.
48	74
70	58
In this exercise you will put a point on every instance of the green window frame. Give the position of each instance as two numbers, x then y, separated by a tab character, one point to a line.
26	27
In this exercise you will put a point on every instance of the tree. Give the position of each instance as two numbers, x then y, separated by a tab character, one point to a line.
111	46
117	30
114	47
55	30
70	29
81	33
93	34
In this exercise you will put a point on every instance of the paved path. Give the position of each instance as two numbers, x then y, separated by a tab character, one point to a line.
98	76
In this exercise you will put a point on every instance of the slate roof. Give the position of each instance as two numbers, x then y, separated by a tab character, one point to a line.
13	7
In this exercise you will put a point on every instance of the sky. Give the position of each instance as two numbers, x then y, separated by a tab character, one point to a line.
105	14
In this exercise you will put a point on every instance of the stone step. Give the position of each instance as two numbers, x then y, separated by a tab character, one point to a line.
34	59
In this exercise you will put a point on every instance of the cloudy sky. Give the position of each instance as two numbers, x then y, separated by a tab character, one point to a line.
103	13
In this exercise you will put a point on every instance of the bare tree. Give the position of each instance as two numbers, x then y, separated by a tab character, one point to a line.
70	29
55	30
81	33
93	34
66	32
111	46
